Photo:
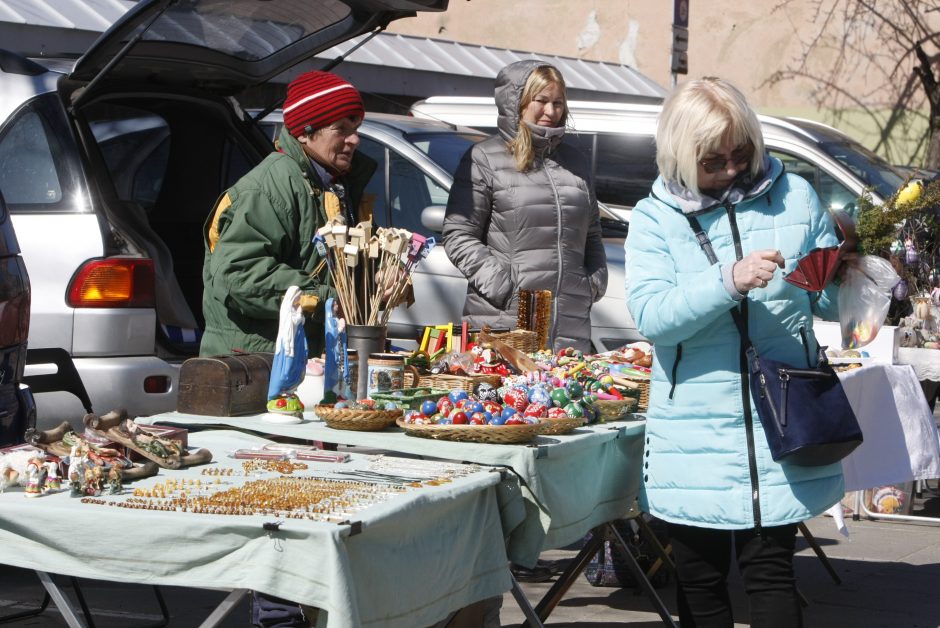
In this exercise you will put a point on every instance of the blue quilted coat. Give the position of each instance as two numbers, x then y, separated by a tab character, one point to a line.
704	464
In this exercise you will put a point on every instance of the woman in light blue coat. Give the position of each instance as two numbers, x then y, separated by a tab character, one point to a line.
707	470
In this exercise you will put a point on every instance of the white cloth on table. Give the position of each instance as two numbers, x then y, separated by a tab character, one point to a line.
925	362
901	439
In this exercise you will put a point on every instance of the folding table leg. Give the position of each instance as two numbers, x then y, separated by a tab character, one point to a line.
641	578
531	618
819	552
224	608
61	602
553	596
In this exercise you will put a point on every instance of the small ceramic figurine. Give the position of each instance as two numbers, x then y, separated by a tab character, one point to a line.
115	485
53	481
93	480
35	475
76	474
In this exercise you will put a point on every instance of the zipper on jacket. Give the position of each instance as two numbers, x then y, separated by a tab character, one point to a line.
805	345
675	370
551	332
745	385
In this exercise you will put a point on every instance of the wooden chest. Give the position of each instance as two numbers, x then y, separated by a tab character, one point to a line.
227	385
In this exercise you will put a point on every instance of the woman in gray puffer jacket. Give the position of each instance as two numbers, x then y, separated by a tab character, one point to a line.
522	213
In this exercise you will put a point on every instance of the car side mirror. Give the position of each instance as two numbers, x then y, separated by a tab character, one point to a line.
432	217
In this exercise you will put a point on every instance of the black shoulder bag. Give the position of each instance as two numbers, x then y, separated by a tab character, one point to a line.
804	411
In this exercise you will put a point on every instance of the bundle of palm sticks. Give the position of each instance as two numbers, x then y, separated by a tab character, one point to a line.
370	268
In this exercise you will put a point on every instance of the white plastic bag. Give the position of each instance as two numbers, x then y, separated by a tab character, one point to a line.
864	299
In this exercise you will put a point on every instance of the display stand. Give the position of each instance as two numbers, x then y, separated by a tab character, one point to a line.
901	439
565	499
449	535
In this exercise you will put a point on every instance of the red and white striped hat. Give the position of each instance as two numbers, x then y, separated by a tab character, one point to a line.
316	99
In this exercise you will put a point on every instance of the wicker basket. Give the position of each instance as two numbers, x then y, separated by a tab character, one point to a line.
521	339
642	392
357	420
556	427
615	409
460	382
492	434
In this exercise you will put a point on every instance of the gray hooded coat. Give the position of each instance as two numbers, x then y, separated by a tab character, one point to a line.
507	230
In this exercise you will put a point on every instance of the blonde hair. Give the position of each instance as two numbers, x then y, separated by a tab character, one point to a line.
521	145
694	120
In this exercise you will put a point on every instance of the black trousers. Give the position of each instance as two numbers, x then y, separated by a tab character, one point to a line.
765	560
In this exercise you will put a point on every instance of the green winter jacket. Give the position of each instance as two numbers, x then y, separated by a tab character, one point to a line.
258	242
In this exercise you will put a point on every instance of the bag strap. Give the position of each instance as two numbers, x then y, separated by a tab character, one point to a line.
739	315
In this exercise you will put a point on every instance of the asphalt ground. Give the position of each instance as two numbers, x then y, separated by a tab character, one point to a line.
890	572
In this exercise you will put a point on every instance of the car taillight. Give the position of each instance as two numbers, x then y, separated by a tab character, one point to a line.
113	282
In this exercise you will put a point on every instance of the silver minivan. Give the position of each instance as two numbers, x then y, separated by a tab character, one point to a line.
110	166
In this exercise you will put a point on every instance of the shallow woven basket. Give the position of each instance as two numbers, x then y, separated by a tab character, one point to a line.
644	393
521	339
492	434
357	420
556	427
460	382
615	409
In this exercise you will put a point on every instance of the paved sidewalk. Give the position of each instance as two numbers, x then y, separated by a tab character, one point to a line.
890	579
890	575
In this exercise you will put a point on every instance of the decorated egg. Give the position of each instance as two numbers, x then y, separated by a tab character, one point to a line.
474	406
428	408
560	397
492	407
497	419
540	394
515	419
574	410
557	413
574	389
536	410
457	394
508	411
459	417
485	391
477	418
445	405
516	399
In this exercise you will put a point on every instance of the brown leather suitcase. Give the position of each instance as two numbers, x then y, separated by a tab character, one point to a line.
225	385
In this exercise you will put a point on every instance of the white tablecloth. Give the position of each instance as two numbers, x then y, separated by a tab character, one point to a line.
901	439
925	362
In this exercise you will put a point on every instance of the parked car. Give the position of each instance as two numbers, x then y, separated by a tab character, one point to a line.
16	409
112	235
418	158
620	140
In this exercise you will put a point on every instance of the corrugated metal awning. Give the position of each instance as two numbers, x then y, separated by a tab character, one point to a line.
394	64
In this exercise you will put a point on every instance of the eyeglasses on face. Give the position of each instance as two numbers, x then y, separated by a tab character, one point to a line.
740	156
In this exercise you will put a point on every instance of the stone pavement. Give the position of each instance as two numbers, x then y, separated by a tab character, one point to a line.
890	575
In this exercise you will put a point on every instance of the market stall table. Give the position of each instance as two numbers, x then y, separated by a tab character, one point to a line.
901	439
360	570
571	484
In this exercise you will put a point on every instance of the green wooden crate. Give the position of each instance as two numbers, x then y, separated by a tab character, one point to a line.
409	398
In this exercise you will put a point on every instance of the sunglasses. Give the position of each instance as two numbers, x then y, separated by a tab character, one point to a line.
739	157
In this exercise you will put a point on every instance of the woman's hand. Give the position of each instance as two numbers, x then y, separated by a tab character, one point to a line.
756	269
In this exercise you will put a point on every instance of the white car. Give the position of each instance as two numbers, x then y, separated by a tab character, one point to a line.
620	140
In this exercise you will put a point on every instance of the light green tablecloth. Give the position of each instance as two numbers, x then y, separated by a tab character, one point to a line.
418	557
570	483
